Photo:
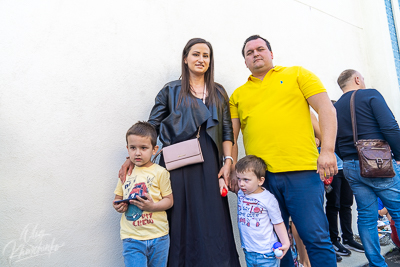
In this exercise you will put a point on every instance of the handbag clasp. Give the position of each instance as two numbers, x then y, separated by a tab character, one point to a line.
379	162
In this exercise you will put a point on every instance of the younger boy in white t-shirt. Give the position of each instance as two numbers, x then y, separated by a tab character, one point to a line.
144	226
258	215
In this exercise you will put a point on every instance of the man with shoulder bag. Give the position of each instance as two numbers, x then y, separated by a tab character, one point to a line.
368	141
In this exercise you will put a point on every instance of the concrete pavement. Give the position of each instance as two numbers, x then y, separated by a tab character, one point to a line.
358	259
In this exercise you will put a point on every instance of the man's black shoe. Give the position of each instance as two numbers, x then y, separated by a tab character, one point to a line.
353	245
340	249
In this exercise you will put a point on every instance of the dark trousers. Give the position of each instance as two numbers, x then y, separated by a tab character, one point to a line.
339	201
300	194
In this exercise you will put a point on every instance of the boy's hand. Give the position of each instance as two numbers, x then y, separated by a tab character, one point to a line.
143	204
317	142
234	186
121	207
284	249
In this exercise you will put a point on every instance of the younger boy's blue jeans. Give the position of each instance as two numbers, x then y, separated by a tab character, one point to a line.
143	253
254	259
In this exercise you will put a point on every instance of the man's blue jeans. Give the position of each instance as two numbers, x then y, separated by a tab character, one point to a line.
366	192
143	253
254	259
300	194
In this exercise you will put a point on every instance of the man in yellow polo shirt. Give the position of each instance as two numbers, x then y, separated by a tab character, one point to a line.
272	110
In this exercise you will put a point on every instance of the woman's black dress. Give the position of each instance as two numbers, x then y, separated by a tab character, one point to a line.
200	224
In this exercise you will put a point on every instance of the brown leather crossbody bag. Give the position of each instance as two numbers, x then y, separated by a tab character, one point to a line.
374	155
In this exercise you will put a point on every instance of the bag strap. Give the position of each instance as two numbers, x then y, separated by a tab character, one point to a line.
204	101
353	117
156	155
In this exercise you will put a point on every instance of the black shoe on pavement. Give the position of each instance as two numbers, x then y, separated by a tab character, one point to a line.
338	258
340	249
353	245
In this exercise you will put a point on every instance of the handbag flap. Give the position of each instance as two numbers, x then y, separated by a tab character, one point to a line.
374	149
372	154
181	150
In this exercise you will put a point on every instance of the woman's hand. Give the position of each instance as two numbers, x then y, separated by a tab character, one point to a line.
222	185
126	168
225	171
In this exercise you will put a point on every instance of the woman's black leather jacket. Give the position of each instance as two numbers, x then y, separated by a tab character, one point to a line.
179	123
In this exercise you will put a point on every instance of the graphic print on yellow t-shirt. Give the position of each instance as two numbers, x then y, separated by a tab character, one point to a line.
138	224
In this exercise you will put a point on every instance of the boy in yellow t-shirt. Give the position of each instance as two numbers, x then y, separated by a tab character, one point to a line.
144	227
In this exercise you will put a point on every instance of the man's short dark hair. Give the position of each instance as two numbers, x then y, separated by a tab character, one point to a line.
251	163
344	77
144	129
254	37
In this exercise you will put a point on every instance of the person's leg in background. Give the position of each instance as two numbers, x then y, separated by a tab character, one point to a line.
367	207
388	190
301	248
346	202
333	208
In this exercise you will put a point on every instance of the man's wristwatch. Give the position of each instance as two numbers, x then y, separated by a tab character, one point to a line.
228	157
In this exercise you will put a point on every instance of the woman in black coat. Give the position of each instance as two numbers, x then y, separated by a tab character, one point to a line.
200	225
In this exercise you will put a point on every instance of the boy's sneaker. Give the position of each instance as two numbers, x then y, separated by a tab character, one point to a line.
353	245
338	258
340	249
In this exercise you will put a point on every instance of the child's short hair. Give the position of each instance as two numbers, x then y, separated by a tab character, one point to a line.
251	163
144	129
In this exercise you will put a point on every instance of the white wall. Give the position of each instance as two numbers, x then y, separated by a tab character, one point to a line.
75	75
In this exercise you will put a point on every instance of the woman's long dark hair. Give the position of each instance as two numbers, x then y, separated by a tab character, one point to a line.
212	87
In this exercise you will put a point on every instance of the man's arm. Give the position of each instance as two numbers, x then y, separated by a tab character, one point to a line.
235	151
326	164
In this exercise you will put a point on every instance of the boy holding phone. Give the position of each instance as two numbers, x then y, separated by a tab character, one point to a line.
144	228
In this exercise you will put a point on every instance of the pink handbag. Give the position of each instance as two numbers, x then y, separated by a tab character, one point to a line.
183	154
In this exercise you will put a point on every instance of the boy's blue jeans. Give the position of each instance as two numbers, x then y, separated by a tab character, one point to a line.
366	192
143	253
254	259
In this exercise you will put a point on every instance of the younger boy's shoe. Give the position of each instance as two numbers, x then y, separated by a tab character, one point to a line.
353	245
338	258
340	249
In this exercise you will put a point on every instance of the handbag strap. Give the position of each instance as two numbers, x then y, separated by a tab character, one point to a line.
204	101
353	117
